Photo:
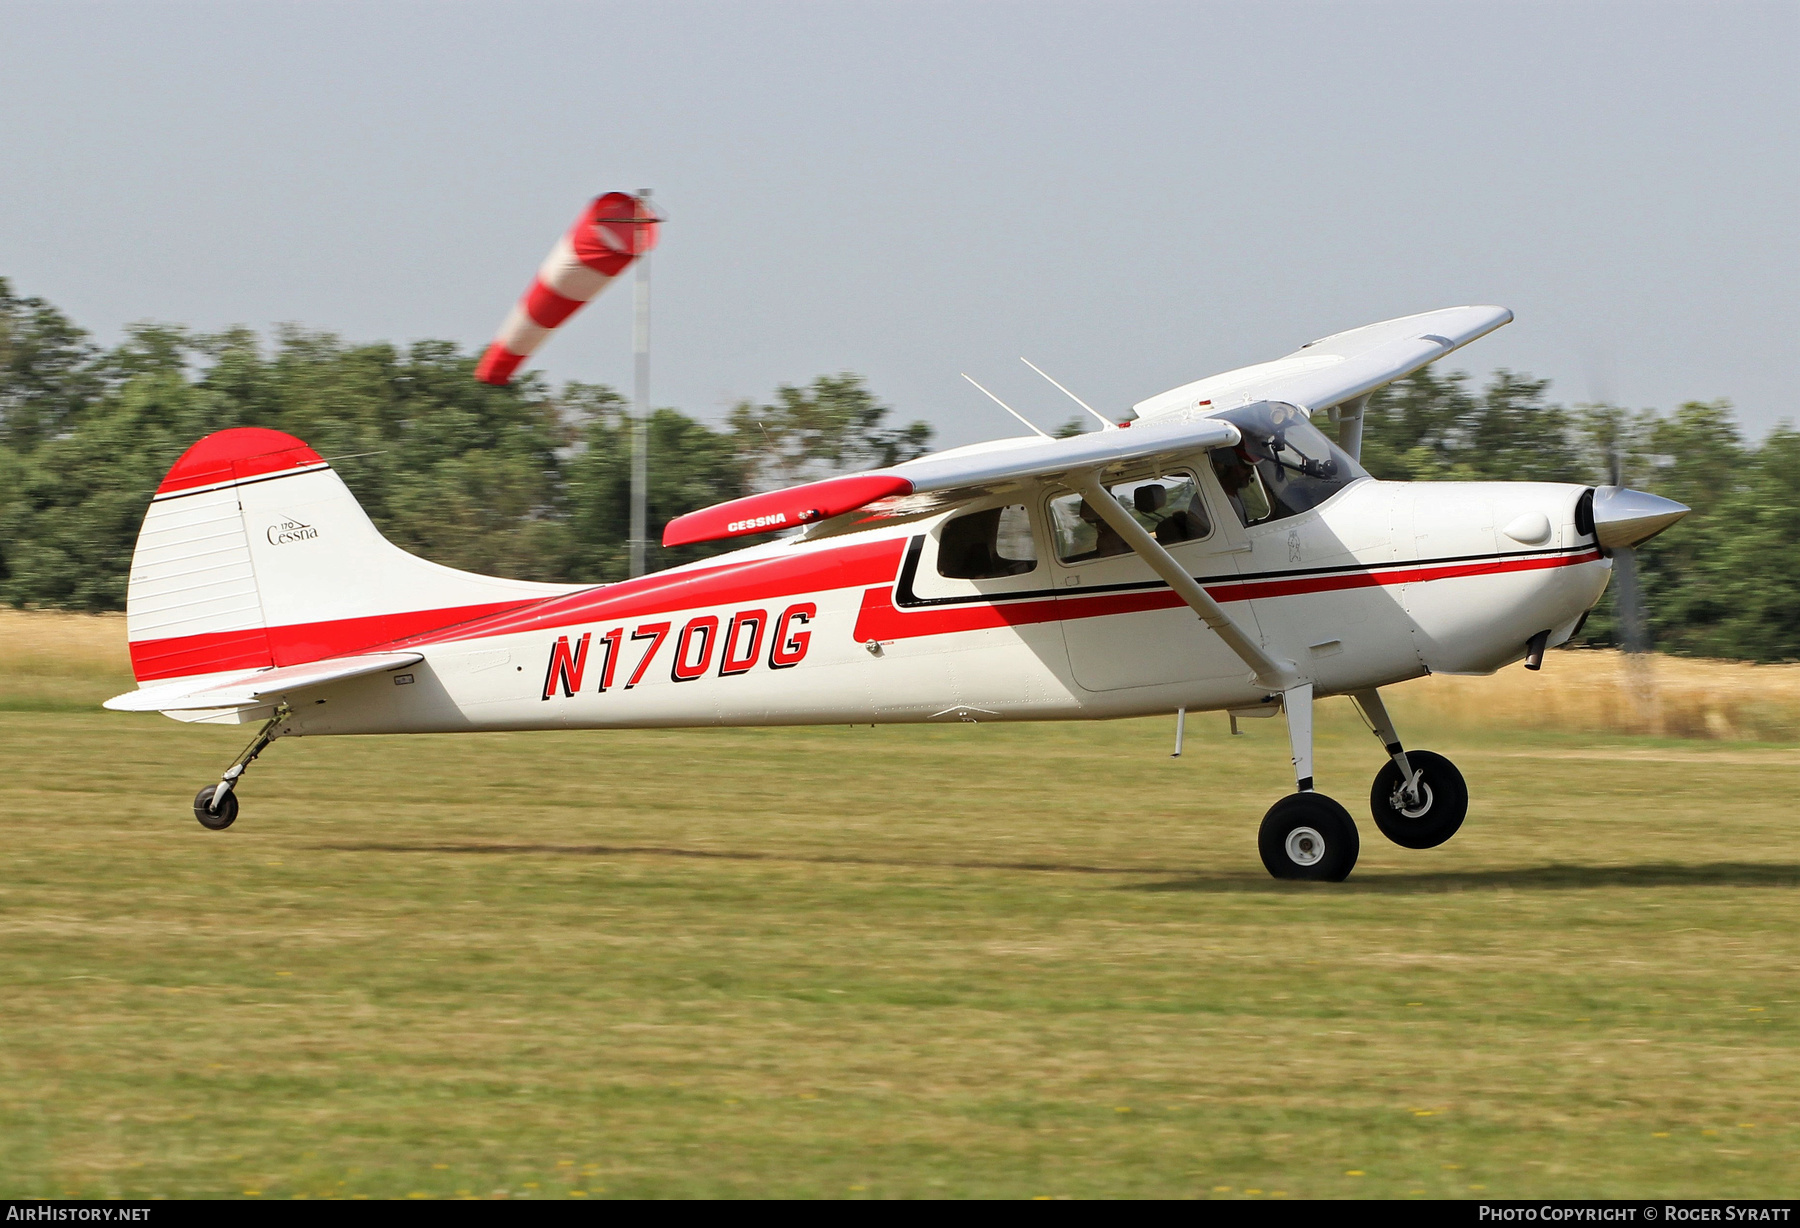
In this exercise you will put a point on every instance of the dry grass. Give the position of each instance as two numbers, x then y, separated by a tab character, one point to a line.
52	643
52	661
1608	692
56	662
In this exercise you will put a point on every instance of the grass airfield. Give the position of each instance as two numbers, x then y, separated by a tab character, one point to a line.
988	961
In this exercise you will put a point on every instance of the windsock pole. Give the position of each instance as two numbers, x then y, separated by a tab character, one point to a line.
640	427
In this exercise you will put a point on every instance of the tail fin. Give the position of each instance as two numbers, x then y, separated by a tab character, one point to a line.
254	554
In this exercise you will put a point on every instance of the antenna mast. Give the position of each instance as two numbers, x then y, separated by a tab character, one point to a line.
1105	422
1009	409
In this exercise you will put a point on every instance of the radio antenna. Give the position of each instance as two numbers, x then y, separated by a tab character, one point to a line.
1105	422
1003	405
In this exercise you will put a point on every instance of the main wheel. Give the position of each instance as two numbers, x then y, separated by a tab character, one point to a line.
1308	836
218	820
1443	802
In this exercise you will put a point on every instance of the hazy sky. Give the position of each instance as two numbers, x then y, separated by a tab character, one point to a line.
1132	196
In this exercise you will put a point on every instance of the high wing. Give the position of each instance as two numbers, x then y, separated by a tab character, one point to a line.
1335	369
1324	374
956	473
252	689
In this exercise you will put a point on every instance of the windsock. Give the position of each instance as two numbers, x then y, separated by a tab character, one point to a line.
611	232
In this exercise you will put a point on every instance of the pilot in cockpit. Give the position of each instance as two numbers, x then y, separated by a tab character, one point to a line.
1235	473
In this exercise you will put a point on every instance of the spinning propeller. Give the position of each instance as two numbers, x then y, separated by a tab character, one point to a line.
1623	520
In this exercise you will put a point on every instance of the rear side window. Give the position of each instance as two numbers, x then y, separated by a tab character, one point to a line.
985	545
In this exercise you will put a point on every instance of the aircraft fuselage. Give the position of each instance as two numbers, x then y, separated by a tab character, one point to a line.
1381	583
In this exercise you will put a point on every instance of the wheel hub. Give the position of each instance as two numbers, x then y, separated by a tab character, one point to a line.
1305	846
1412	810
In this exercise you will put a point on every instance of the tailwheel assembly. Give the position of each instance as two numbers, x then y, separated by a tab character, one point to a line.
216	806
1424	811
1309	836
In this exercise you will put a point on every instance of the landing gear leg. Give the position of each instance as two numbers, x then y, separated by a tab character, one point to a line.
1306	835
216	806
1296	705
1383	725
1419	800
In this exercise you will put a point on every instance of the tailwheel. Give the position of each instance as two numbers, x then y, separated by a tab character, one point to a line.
1426	815
1308	836
219	819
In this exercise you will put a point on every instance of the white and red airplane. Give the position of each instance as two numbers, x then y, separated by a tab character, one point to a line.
1217	551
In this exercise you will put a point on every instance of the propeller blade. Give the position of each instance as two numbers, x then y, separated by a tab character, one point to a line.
1634	627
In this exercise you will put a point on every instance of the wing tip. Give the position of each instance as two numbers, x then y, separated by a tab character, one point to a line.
788	508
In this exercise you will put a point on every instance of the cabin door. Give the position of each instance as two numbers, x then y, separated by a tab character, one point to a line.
1123	626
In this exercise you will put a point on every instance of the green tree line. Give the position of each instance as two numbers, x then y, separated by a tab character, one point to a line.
524	481
533	481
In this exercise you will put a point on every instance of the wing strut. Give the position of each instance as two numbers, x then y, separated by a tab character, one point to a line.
1276	674
1349	419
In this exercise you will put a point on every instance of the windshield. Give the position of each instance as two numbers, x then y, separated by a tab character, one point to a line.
1284	466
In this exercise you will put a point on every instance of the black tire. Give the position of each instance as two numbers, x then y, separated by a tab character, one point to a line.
227	812
1309	836
1444	795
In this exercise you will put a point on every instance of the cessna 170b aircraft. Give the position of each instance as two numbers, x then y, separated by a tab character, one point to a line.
1215	551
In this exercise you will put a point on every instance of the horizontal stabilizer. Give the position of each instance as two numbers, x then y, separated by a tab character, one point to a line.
252	689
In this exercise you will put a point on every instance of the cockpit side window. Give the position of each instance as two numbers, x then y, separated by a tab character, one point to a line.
986	545
1169	506
1243	486
1284	466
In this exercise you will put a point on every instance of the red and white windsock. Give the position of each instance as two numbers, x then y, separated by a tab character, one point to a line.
611	232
